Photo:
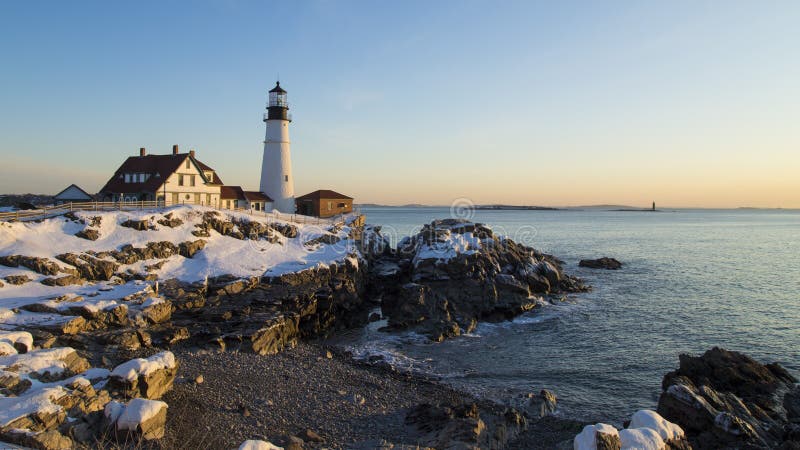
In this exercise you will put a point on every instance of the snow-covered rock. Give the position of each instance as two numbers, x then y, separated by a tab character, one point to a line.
640	439
149	378
145	418
592	435
258	445
21	341
647	431
650	419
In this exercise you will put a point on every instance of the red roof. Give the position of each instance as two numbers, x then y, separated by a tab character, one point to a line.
255	196
231	193
236	193
324	193
160	167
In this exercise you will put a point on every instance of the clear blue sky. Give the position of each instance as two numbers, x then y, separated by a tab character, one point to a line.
550	103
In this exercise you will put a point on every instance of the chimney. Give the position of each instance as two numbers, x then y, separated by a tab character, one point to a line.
175	149
191	153
142	151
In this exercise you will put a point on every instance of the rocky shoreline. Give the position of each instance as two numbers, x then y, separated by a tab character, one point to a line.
212	363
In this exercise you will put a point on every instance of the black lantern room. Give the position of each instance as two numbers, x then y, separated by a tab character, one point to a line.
278	108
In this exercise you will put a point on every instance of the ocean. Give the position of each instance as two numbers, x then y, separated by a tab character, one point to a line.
691	280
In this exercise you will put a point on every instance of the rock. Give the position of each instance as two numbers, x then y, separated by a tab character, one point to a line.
158	312
188	249
294	443
89	267
46	365
150	378
451	274
141	418
65	325
199	379
17	279
139	225
726	398
601	263
599	436
88	234
258	445
66	280
12	384
374	317
21	341
45	440
311	436
170	221
544	404
464	426
39	265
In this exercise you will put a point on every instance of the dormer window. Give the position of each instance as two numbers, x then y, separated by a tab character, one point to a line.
127	178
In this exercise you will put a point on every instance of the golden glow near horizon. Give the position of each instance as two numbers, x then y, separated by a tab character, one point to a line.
683	103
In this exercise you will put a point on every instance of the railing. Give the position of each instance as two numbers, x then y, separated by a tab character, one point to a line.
53	211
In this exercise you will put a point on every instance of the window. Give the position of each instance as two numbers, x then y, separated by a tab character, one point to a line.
141	178
342	205
330	205
127	178
180	180
286	177
191	180
188	163
188	196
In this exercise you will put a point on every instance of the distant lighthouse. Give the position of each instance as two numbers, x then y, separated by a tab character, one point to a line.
276	166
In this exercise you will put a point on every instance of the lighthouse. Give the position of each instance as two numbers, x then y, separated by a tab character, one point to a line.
276	166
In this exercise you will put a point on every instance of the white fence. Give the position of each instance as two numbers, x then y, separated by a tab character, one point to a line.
53	211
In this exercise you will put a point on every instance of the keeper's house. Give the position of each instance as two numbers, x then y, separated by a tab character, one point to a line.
324	203
177	177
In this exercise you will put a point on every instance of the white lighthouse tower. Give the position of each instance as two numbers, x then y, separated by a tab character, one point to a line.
276	166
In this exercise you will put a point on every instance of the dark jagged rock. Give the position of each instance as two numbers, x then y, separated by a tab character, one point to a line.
90	267
170	221
17	279
465	425
139	225
727	399
188	249
88	234
601	263
43	266
455	272
66	280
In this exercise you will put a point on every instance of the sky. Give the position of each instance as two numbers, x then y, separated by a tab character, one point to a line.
685	103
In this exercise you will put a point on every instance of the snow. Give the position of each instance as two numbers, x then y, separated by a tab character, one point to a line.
40	400
136	412
452	245
222	255
113	410
647	431
14	337
587	439
651	419
258	445
132	369
641	439
38	361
